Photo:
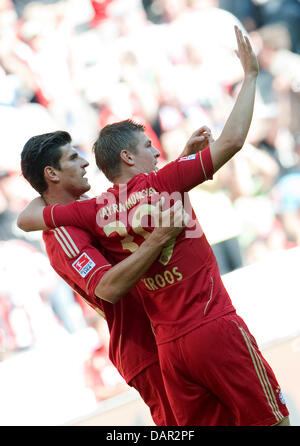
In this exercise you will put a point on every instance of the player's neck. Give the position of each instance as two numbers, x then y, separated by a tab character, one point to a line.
61	197
126	176
123	179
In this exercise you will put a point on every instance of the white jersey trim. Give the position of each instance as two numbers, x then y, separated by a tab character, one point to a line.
88	282
200	156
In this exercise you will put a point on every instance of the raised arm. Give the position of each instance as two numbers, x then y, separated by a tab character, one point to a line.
237	125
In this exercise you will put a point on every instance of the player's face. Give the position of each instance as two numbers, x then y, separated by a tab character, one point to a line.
146	155
72	171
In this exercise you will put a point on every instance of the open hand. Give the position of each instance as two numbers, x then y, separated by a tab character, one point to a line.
246	54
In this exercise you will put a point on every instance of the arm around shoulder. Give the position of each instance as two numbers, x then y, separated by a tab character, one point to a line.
31	218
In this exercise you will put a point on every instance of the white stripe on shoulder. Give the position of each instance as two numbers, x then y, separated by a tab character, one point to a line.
65	241
70	239
64	248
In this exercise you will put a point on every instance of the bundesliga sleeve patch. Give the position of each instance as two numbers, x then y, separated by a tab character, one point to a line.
186	158
83	265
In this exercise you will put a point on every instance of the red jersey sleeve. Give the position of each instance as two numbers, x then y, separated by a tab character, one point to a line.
81	214
184	173
75	259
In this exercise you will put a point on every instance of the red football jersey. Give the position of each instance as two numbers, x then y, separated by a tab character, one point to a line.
75	256
183	288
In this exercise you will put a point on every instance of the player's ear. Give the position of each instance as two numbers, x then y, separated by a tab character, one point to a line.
127	157
50	174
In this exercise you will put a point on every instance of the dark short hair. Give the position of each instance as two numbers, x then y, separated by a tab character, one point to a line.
41	151
111	141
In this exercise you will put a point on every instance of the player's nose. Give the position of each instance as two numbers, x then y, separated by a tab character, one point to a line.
84	162
156	152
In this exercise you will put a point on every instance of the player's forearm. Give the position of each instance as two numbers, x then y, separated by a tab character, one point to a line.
122	277
31	218
237	126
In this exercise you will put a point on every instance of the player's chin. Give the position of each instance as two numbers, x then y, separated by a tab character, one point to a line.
85	185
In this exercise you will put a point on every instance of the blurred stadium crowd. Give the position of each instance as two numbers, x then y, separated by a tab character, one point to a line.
78	65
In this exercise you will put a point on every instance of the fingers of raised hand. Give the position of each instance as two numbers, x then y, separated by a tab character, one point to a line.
248	44
243	42
240	40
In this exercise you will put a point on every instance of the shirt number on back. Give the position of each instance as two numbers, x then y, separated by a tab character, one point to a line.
127	241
